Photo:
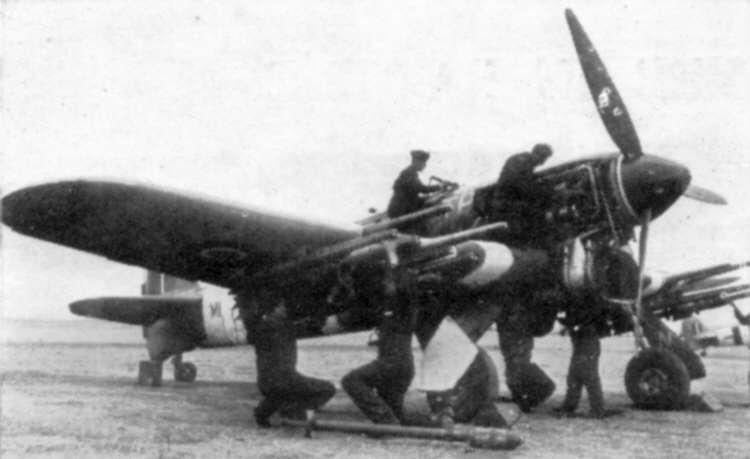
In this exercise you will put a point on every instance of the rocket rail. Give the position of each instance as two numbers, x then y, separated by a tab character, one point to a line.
680	306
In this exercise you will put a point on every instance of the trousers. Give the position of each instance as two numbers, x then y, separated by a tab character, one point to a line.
584	372
378	388
297	392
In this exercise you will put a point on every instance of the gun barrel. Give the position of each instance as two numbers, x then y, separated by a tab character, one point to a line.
329	253
408	218
461	236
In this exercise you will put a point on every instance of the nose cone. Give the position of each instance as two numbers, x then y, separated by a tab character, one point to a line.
655	183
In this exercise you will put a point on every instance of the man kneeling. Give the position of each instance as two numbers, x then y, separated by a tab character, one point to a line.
284	389
378	387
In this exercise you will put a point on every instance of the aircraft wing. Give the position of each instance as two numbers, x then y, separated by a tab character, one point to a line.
186	236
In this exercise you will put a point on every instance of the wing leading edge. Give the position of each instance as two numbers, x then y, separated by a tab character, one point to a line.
186	236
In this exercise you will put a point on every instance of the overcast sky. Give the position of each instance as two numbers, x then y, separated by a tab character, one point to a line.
311	108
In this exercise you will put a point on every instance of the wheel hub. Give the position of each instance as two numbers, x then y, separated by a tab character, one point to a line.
653	381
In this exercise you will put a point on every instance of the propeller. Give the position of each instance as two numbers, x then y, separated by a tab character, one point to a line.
611	107
606	98
651	184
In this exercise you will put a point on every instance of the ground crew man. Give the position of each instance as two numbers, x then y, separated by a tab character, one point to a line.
378	388
517	178
408	189
692	327
586	322
521	200
584	371
743	319
516	326
283	388
518	197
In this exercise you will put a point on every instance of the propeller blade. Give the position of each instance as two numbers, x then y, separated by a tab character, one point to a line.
704	195
642	245
608	101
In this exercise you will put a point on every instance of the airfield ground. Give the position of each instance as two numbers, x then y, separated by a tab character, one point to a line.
67	390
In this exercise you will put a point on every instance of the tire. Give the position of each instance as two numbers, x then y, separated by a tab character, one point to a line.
656	379
185	372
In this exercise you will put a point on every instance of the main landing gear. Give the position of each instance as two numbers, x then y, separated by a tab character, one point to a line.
150	371
658	376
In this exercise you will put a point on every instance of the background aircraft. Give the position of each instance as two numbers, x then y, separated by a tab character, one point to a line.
701	333
599	202
717	329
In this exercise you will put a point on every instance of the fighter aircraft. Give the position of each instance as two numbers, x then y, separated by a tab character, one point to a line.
719	329
470	242
700	334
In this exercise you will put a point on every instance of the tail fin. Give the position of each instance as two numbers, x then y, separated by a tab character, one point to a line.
162	284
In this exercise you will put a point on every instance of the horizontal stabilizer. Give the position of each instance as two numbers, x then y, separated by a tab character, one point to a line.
138	310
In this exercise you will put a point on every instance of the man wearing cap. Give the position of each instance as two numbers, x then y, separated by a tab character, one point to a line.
407	189
520	200
517	177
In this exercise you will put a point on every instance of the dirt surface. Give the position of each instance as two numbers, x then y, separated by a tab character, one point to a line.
68	390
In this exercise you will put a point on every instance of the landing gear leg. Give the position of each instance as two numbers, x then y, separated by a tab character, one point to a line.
164	339
184	371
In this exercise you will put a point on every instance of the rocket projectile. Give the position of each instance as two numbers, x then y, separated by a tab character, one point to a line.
477	437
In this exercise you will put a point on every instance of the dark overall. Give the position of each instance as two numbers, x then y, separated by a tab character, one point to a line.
475	392
406	193
584	370
586	320
378	387
529	385
278	380
520	199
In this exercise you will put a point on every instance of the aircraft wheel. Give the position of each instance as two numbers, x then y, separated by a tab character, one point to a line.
656	379
185	372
